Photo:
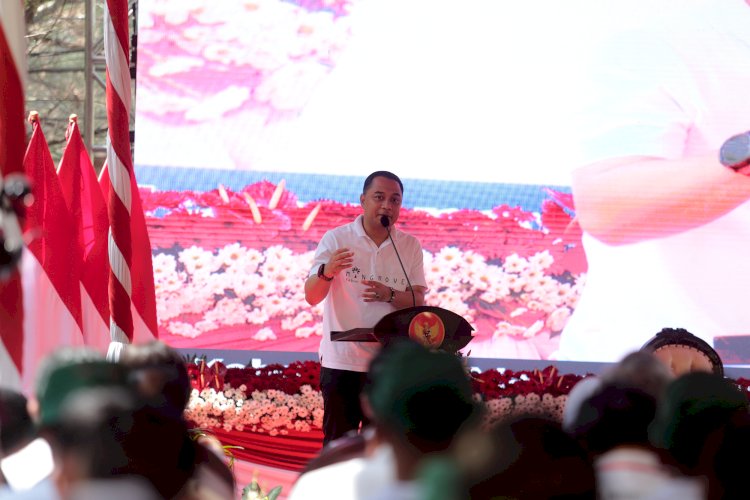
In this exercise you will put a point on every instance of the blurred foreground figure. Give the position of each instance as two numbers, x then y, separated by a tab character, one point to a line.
418	402
702	428
159	375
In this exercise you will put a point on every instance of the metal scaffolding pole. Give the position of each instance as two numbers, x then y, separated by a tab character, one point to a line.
95	69
88	105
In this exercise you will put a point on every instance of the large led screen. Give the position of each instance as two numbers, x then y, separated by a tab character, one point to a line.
258	120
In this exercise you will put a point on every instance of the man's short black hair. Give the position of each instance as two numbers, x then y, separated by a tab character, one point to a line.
382	173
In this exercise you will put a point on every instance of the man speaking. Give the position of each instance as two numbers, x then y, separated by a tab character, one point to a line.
364	269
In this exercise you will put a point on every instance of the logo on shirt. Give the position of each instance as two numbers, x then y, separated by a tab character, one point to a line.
355	275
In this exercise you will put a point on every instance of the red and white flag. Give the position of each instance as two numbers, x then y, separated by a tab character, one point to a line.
85	202
12	147
51	267
131	275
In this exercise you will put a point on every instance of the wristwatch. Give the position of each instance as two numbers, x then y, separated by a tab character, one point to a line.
323	276
735	152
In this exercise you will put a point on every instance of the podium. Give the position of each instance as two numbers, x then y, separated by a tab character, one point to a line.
431	326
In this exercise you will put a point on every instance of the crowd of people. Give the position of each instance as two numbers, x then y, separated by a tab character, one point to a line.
95	428
662	422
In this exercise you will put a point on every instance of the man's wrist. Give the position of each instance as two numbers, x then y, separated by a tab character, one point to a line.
393	295
322	274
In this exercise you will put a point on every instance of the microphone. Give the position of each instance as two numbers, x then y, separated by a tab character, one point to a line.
386	222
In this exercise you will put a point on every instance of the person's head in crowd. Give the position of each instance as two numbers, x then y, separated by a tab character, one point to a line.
16	426
57	359
160	376
65	379
418	400
578	395
698	410
25	461
614	416
81	398
618	411
159	373
105	437
640	370
531	457
684	352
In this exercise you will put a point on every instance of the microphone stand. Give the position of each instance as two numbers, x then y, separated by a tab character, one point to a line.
386	222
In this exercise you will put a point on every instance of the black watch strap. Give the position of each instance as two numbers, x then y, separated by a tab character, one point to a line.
323	276
735	152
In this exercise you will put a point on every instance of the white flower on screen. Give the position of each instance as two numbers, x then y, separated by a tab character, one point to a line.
174	64
170	283
176	13
514	264
481	279
216	105
243	285
473	259
448	258
206	325
453	303
196	259
535	305
534	329
257	316
232	254
167	307
290	87
541	260
306	331
278	253
499	284
161	103
561	294
264	288
516	283
264	334
219	12
542	285
292	323
504	328
183	329
532	276
164	265
517	312
557	319
451	281
227	311
195	299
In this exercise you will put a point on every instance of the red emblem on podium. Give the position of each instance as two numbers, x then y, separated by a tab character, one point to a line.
427	328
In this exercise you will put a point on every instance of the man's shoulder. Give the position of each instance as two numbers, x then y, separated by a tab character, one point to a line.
347	230
406	238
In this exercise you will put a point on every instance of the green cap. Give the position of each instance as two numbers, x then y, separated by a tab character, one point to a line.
422	392
66	380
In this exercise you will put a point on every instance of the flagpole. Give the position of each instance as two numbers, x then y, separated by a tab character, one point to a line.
12	148
120	166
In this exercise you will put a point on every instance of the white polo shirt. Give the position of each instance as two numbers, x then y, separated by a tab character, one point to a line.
344	307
